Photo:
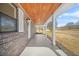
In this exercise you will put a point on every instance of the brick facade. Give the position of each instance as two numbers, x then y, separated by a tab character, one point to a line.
12	44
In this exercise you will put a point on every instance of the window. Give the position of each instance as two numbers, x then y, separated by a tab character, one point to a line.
7	23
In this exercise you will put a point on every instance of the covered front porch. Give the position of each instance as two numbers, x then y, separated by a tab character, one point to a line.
36	30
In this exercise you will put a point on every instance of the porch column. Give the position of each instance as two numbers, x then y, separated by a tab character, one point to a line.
29	29
43	29
20	20
53	32
46	30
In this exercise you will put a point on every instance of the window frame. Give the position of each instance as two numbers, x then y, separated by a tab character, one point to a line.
11	19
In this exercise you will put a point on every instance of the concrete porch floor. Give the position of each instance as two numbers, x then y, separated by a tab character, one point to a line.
40	45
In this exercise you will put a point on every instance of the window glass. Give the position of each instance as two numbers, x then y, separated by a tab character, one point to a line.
7	23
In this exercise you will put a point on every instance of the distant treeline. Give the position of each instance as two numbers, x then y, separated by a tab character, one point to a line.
70	25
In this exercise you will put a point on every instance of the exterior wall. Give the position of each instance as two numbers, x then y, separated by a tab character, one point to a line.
12	44
8	9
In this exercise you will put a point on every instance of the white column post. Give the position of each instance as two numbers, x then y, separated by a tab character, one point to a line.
46	30
43	29
54	35
29	29
20	20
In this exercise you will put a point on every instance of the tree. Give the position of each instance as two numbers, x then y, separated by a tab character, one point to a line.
69	25
77	23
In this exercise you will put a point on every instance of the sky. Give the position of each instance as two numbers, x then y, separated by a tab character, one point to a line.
71	15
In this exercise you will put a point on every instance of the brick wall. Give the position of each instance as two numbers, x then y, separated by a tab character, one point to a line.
12	44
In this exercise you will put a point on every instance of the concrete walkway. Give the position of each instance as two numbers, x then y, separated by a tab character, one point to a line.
38	51
40	45
39	40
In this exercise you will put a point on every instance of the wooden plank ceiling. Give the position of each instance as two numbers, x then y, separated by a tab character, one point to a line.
40	12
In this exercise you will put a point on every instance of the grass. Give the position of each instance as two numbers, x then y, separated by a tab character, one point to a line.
69	39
